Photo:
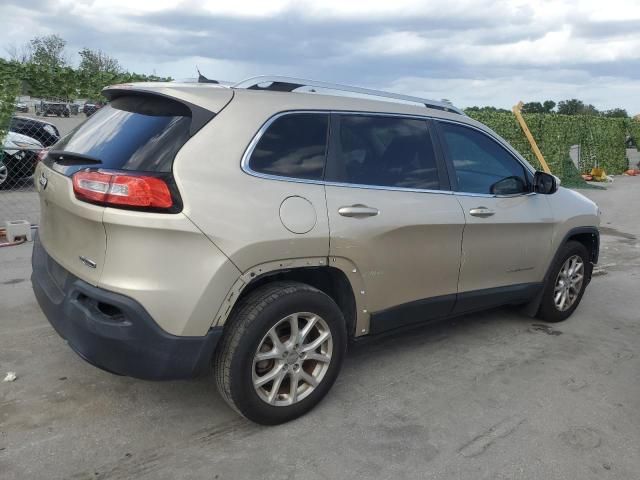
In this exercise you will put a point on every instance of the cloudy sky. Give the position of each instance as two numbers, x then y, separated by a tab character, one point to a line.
474	52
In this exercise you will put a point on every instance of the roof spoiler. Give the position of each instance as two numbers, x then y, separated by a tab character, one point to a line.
199	116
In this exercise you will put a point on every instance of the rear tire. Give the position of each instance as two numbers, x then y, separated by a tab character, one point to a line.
568	278
262	325
7	174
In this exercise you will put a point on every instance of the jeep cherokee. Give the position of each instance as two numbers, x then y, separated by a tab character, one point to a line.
258	228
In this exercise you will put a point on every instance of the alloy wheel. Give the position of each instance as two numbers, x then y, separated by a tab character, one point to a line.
292	359
568	283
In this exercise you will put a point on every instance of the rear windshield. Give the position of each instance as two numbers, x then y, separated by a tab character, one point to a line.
141	133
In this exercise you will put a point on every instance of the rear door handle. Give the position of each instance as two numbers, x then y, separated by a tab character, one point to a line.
358	211
481	212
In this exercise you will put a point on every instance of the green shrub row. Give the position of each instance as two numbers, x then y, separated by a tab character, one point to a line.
602	140
9	89
66	82
634	131
62	83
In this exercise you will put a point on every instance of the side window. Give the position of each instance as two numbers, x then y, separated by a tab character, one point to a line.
294	145
383	151
481	164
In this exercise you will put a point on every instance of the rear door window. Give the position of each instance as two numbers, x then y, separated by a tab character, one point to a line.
383	151
294	145
141	133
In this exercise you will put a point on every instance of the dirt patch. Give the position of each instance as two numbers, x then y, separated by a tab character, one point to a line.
542	328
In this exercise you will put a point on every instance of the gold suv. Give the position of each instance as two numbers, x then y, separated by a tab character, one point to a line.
259	228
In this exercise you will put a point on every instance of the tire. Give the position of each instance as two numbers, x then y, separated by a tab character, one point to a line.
5	174
270	307
549	310
8	173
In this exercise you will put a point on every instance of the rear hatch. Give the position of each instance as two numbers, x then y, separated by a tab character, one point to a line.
121	157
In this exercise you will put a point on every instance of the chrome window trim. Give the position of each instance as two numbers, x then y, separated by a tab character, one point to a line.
493	195
516	156
254	142
244	163
502	143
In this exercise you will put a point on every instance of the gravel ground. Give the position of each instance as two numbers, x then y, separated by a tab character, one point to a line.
494	395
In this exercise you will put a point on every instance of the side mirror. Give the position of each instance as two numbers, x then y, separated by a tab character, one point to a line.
545	183
509	186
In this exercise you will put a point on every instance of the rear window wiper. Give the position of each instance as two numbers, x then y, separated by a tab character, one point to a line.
71	158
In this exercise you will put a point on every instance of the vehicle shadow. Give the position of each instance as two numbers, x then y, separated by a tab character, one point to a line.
433	332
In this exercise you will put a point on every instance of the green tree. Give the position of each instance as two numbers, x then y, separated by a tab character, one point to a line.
48	51
570	107
487	109
615	113
532	107
97	61
548	106
19	53
576	107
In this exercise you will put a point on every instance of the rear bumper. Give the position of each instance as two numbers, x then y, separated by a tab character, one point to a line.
112	331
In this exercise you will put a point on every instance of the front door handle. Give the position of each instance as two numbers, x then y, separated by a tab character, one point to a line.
358	211
481	212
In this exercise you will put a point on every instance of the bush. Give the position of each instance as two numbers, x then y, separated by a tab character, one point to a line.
9	89
601	139
64	82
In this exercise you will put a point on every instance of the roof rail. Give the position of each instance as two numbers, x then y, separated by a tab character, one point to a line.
289	84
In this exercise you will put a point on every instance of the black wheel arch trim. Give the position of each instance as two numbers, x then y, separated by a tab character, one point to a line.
595	250
531	309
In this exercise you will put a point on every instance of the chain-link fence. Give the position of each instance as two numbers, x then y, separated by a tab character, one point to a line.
24	139
38	105
34	125
18	199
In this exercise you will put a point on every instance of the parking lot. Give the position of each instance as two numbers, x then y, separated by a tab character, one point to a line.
494	395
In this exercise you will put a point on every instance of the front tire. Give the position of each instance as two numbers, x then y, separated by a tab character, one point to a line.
568	278
281	353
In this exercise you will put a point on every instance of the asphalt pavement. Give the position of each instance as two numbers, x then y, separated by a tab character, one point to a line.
496	395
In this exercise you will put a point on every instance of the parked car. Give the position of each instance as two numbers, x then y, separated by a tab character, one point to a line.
91	108
21	107
45	132
18	158
53	108
74	108
261	242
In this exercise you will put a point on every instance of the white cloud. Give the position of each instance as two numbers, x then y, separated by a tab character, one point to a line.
394	43
472	51
604	92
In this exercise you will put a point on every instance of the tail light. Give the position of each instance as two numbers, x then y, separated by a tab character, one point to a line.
119	189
